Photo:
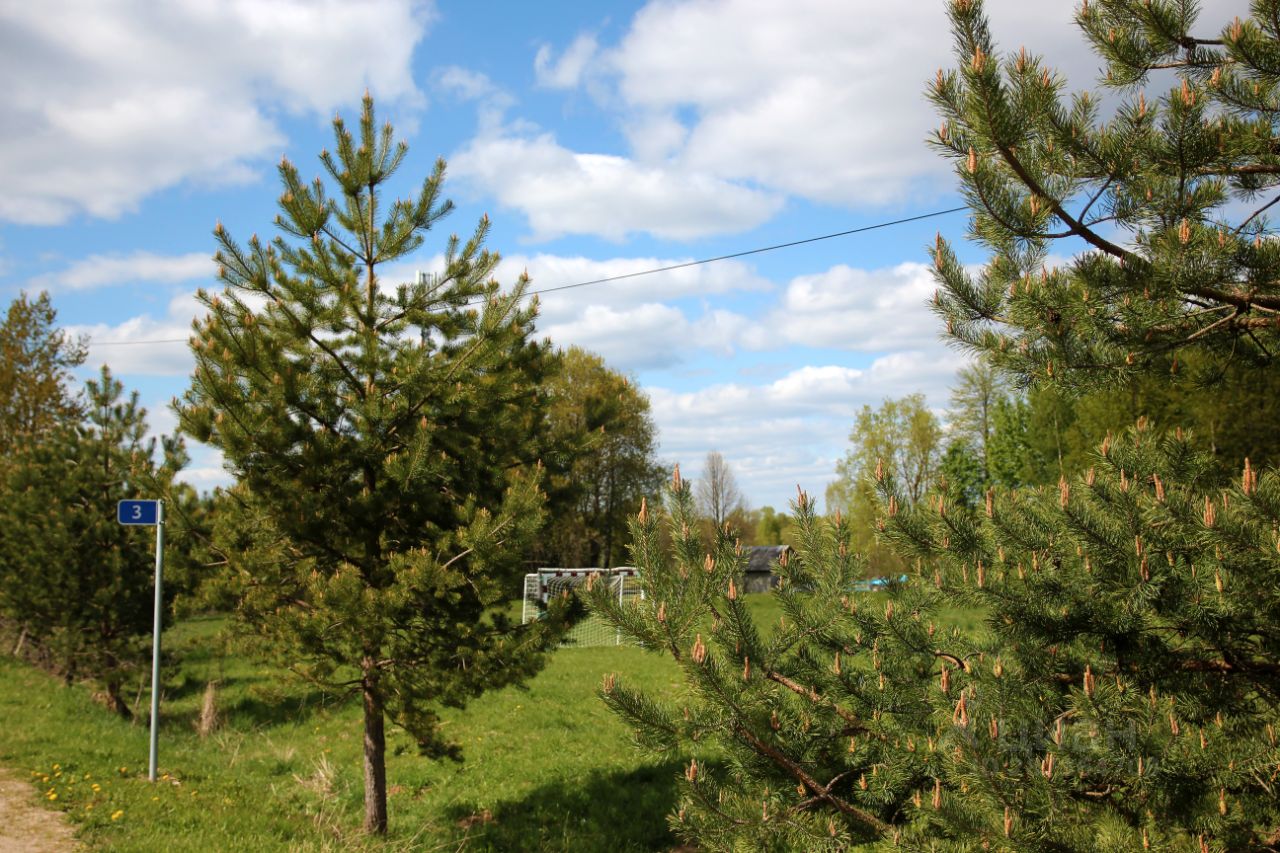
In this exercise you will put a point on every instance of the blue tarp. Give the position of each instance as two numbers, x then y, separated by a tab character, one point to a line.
872	584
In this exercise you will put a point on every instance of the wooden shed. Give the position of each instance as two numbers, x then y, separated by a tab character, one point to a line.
759	576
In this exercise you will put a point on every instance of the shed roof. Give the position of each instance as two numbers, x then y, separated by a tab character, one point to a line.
760	558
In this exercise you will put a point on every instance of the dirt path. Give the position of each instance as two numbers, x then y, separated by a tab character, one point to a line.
24	826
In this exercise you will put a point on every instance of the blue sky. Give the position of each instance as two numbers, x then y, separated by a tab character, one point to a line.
601	138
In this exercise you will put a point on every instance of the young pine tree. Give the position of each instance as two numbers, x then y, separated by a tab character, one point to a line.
382	437
812	736
1125	694
77	584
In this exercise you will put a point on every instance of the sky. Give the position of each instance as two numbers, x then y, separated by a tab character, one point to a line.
601	138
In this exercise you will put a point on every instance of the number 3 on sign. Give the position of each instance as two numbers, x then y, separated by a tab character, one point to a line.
137	512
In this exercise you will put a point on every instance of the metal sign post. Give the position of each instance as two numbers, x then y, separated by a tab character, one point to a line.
148	513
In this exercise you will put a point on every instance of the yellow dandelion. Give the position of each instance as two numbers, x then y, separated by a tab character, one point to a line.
88	807
88	775
117	814
96	788
155	799
53	795
57	767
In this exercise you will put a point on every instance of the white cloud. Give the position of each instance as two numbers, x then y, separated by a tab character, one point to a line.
205	478
106	270
820	99
774	435
648	336
161	420
563	192
565	72
809	97
205	472
121	347
776	430
644	337
791	431
634	324
463	83
730	106
107	101
856	309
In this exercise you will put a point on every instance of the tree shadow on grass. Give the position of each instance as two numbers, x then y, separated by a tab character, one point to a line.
604	812
268	710
250	703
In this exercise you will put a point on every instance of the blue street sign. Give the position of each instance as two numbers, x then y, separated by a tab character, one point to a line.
151	513
137	512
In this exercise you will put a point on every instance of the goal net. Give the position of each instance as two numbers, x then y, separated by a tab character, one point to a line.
540	586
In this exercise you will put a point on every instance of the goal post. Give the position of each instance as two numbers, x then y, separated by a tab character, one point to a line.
541	585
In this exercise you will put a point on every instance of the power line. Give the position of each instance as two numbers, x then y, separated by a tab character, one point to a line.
653	271
748	252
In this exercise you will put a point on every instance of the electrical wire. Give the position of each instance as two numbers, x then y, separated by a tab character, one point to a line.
653	271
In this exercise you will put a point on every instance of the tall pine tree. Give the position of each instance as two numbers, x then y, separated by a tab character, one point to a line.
1124	692
382	436
1166	198
1129	684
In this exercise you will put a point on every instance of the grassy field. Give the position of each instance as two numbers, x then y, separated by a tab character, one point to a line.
547	767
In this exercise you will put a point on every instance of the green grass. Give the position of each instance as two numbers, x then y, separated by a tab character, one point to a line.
547	767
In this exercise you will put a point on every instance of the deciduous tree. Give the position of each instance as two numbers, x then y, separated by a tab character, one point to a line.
717	489
901	435
36	360
773	527
604	461
978	388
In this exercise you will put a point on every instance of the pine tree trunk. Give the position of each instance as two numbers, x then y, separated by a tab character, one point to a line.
375	754
116	703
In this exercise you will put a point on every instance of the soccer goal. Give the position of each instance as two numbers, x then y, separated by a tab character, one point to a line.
540	586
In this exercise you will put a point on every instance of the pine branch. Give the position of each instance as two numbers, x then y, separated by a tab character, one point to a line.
1077	228
797	772
814	697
